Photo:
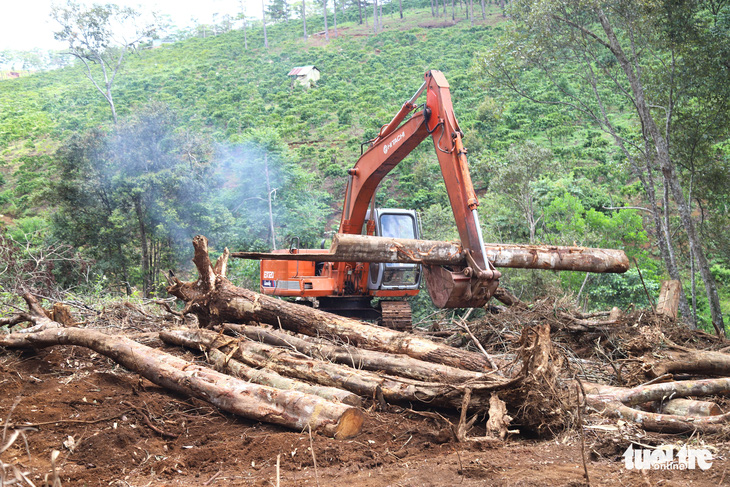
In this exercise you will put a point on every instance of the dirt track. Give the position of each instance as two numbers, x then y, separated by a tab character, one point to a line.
129	432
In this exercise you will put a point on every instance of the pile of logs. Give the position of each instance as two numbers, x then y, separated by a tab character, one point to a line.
302	368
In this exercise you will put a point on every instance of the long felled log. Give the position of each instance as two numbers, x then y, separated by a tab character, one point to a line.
227	365
215	300
287	408
354	357
361	248
618	402
697	362
292	364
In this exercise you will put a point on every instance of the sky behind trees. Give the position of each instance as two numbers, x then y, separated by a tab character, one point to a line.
28	24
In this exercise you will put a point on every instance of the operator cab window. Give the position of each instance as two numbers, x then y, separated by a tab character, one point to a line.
399	226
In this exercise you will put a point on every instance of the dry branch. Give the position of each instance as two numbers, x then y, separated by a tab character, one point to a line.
39	317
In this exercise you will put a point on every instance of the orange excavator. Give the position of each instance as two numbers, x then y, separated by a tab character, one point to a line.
348	288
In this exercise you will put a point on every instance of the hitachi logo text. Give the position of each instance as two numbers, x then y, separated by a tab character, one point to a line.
387	147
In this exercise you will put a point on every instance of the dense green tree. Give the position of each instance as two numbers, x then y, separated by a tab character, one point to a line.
133	198
612	60
278	10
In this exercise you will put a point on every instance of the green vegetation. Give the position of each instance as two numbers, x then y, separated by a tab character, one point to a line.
210	133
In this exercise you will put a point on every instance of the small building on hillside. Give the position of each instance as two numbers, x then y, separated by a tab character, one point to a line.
306	75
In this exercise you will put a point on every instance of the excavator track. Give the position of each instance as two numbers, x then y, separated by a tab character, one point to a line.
396	315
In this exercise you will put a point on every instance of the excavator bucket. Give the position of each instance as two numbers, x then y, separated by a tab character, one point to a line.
458	287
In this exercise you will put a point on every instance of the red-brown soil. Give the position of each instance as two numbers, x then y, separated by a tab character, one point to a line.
114	429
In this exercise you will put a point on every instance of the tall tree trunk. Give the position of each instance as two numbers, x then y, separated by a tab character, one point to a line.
263	21
470	7
270	193
334	4
359	9
326	32
400	8
694	243
125	271
375	16
433	13
245	36
484	11
113	108
664	237
692	261
453	11
304	17
145	248
243	16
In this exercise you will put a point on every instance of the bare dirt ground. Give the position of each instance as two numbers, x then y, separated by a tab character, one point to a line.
114	429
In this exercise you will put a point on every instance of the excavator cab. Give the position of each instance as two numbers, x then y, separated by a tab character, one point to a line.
395	223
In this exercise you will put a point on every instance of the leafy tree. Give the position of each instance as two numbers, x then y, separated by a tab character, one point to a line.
609	60
100	35
136	194
524	165
278	10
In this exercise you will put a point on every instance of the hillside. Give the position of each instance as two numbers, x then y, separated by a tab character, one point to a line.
235	105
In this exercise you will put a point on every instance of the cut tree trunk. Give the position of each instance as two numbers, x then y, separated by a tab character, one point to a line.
690	407
363	248
227	365
696	362
618	402
215	300
292	364
668	303
291	409
354	357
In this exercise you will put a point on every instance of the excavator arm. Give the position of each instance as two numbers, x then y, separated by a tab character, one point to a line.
449	287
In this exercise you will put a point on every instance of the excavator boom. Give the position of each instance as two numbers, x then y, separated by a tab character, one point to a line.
453	287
